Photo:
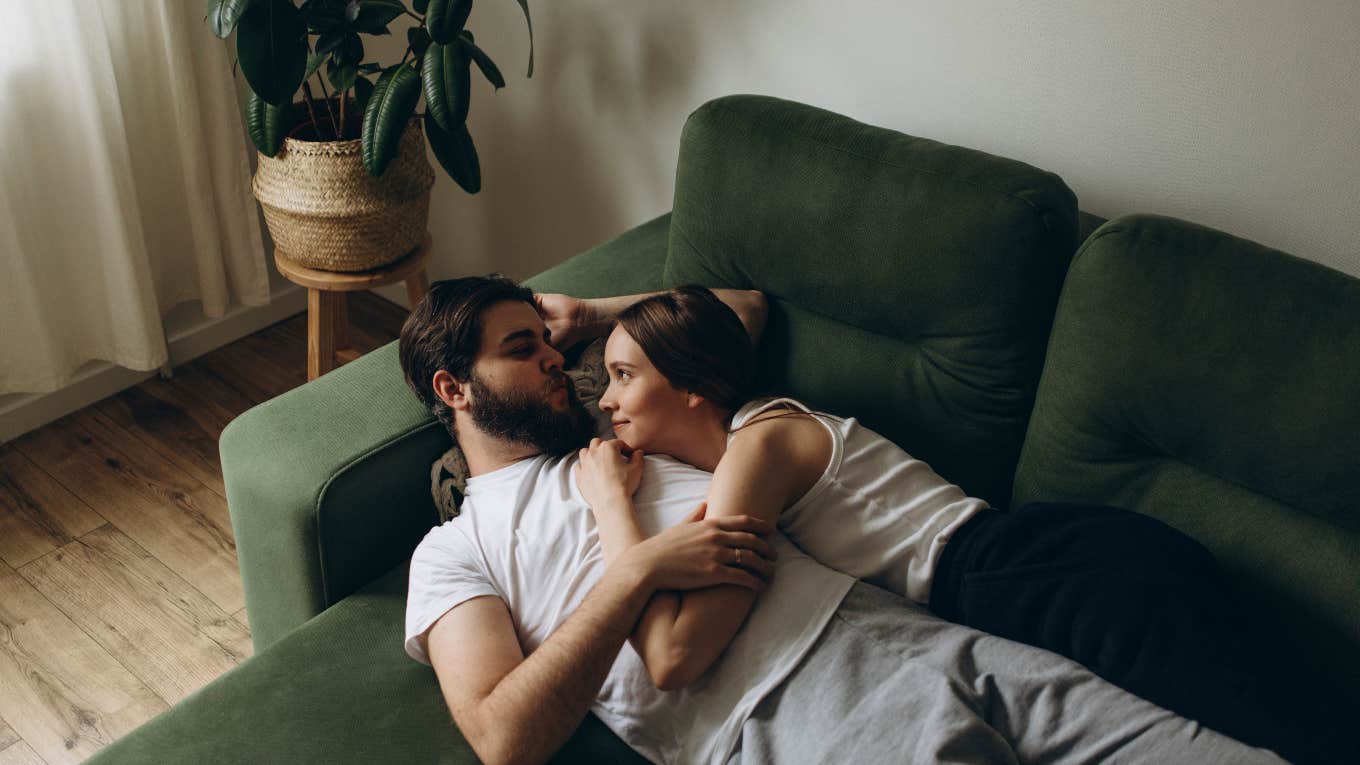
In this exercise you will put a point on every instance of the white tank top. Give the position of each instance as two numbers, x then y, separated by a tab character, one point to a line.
876	513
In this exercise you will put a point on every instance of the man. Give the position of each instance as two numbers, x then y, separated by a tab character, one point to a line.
526	628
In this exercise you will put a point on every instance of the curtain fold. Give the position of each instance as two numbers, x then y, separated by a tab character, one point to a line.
124	185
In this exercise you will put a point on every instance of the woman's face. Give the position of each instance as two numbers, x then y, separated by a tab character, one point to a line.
647	411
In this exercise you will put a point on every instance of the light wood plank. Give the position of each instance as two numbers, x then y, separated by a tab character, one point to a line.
37	514
63	693
20	754
163	630
243	618
7	735
181	522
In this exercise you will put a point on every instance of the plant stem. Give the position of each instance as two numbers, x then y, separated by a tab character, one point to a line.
343	95
404	55
331	113
421	19
307	99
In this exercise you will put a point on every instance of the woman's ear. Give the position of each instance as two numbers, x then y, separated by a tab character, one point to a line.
449	390
693	400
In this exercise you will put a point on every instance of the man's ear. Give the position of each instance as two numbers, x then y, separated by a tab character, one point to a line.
450	390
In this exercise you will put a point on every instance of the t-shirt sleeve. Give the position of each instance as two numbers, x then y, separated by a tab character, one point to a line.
446	570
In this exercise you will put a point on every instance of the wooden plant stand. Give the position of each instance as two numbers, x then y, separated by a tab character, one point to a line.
328	306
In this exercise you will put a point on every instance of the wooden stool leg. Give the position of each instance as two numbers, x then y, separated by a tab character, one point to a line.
341	321
320	332
416	287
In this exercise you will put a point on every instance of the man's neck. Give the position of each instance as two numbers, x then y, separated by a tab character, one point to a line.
485	454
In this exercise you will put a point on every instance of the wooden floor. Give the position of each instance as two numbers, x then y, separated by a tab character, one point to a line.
119	590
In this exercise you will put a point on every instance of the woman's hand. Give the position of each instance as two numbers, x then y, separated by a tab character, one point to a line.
699	552
569	320
606	477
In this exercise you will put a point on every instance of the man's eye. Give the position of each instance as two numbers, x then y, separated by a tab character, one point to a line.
523	350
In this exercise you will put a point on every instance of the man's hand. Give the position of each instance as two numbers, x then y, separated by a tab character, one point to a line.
569	320
699	552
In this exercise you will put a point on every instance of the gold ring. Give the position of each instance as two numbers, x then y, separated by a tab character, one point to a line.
737	562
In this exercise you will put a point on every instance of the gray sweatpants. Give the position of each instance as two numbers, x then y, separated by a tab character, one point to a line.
889	682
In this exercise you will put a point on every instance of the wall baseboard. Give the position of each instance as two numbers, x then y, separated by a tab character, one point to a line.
98	380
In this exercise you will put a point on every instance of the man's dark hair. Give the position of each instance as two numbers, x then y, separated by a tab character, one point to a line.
444	331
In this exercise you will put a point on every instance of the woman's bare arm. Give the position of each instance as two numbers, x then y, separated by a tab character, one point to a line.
768	466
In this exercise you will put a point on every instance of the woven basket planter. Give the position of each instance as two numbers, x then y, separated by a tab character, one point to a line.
325	211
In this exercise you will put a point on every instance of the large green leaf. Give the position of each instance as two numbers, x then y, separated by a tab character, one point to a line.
524	5
484	63
314	62
447	84
456	154
271	42
223	15
445	19
342	76
375	15
266	123
389	109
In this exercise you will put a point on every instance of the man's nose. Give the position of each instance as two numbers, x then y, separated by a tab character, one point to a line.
553	359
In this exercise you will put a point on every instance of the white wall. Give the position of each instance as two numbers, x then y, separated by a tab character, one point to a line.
1240	115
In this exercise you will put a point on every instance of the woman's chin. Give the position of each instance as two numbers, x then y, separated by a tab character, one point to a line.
625	437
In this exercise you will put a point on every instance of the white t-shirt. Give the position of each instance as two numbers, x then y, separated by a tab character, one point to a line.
526	535
877	513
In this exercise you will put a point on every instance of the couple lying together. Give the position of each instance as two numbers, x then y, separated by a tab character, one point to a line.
740	579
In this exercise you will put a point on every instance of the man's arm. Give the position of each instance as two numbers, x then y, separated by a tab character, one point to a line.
514	709
571	320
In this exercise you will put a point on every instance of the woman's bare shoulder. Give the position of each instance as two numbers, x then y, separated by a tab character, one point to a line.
788	433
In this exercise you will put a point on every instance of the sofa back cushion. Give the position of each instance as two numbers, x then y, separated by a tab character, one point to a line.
1212	382
912	284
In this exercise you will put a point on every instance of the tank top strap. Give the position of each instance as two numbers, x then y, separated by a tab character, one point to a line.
834	427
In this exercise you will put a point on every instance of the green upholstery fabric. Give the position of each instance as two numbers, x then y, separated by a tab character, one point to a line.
1211	382
912	283
340	689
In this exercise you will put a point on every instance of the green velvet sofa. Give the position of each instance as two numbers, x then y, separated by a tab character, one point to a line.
955	301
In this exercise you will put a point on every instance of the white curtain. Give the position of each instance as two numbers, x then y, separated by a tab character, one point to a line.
124	184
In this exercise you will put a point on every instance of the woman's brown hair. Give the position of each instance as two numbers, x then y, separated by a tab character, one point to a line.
696	342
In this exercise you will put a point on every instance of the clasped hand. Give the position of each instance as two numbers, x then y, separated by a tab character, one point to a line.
699	551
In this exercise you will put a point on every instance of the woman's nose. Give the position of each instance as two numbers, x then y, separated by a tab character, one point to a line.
607	400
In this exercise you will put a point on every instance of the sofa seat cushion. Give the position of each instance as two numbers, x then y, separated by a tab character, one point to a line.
338	689
1211	382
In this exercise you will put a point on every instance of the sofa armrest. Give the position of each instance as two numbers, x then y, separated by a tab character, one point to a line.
328	487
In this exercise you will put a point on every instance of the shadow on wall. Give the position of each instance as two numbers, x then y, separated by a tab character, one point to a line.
576	154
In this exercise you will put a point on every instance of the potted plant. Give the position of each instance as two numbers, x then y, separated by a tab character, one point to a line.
343	178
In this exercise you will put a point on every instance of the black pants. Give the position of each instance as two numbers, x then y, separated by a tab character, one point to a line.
1145	607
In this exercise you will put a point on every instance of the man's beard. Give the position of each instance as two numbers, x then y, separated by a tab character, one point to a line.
528	418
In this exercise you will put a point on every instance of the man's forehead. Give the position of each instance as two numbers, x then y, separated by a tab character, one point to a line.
509	319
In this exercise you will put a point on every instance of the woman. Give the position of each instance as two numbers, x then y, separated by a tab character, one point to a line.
1139	603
